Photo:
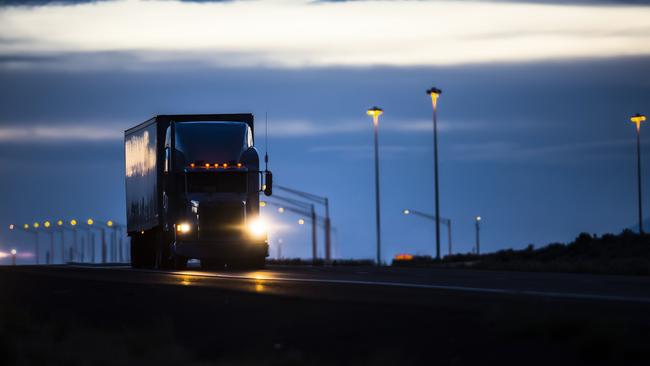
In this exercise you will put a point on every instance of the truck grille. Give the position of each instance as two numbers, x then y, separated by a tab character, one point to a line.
221	221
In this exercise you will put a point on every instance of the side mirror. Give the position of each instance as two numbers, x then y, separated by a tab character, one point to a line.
268	183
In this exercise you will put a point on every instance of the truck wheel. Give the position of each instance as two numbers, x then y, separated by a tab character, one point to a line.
163	258
179	262
135	256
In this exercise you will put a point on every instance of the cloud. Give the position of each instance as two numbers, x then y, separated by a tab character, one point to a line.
510	151
295	128
58	133
302	34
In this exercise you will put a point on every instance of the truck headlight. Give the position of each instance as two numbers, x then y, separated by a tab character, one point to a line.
257	228
183	228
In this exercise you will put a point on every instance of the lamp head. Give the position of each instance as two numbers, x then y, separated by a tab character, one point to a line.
434	90
406	211
47	224
73	222
375	111
109	223
434	93
90	221
59	223
638	118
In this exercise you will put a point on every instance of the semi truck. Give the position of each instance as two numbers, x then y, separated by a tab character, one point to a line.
193	186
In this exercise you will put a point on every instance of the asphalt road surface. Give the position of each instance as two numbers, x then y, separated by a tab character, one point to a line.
79	314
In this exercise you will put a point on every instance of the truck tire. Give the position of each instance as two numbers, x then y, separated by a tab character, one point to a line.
180	262
135	257
163	252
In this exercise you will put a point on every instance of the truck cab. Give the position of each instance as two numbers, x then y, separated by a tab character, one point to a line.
208	187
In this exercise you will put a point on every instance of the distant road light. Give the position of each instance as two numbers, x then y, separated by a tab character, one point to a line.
109	223
406	212
262	203
59	223
36	225
281	209
478	218
90	221
13	252
26	226
301	222
47	224
637	119
11	226
73	222
375	112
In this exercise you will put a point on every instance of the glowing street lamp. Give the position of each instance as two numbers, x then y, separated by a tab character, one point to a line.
477	219
12	226
301	222
637	119
434	93
375	112
13	257
49	258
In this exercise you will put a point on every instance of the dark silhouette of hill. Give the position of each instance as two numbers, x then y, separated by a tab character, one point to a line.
626	253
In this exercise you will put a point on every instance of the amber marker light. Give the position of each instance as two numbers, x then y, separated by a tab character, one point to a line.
192	165
404	257
207	165
239	165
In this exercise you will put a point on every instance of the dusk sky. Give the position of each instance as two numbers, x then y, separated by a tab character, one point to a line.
534	137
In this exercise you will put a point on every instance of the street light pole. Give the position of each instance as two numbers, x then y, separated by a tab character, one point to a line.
478	239
435	93
49	255
433	218
375	112
637	119
320	200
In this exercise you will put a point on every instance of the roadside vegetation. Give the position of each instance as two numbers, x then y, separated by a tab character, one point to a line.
627	253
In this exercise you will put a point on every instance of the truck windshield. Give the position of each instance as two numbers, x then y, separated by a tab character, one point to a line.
211	142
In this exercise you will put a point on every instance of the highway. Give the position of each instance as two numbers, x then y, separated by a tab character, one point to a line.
324	315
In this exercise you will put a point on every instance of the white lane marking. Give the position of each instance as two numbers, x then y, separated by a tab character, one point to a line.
565	295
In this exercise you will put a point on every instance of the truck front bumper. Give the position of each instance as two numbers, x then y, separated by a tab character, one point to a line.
221	249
